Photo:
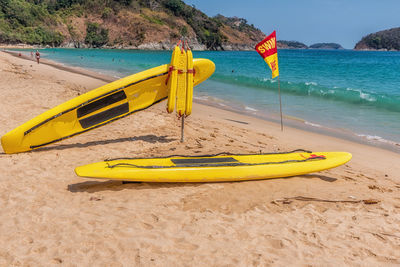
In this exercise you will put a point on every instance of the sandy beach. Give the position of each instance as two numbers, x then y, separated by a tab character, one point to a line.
345	216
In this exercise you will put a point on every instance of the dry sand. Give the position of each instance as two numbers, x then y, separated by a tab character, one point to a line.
50	216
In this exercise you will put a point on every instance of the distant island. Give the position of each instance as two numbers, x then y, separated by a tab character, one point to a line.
132	24
298	45
326	46
382	40
282	44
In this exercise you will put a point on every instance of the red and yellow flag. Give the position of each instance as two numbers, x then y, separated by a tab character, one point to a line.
267	49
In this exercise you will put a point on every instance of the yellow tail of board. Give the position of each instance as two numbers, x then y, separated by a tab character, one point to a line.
181	89
218	168
173	79
189	83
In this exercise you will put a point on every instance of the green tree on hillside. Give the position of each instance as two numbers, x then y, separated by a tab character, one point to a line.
176	6
26	22
96	36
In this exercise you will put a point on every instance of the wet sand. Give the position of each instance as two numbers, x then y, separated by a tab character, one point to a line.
344	216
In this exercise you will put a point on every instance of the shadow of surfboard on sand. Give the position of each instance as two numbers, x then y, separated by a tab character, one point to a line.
116	185
113	185
152	139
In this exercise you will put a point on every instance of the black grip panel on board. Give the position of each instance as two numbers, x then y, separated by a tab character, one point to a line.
192	161
101	103
104	115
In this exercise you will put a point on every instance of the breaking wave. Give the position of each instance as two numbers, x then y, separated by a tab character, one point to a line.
312	89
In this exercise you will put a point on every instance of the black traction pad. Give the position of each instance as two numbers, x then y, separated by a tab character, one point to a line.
104	116
101	103
191	161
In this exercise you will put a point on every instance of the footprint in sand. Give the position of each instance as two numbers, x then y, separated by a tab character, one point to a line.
182	244
147	226
380	189
276	244
347	178
57	261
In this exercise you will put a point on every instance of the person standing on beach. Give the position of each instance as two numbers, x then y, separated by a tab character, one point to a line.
31	54
37	56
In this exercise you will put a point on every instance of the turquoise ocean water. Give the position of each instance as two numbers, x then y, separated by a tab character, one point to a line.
354	93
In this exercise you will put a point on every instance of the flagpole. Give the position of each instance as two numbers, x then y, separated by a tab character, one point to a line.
280	102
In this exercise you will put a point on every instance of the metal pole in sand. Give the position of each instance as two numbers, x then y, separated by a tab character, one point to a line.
280	102
183	129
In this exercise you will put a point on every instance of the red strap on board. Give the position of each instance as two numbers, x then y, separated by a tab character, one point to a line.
170	69
191	71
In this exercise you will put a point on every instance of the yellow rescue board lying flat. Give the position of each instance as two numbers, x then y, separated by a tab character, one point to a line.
97	107
219	168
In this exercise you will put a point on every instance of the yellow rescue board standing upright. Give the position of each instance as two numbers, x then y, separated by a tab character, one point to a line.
189	83
173	79
97	107
181	90
216	168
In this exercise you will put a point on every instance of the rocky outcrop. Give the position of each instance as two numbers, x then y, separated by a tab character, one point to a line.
387	40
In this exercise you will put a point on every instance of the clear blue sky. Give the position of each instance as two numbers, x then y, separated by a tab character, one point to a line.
310	21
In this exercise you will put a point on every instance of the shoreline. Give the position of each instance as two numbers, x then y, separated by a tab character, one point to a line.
27	46
343	216
152	46
61	66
